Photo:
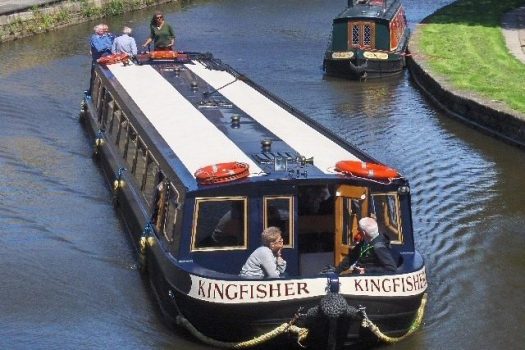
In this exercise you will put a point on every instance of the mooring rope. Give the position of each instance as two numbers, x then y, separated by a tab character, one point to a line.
366	323
301	333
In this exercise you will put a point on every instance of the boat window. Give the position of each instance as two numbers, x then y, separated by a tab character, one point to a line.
122	136
102	104
172	213
131	149
278	211
152	174
108	112
385	206
98	91
355	34
367	35
159	210
220	223
114	123
140	164
353	210
166	210
362	34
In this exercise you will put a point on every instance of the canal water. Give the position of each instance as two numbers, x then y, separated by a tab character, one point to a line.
68	275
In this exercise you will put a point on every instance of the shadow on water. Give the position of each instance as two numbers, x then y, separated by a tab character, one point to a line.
68	272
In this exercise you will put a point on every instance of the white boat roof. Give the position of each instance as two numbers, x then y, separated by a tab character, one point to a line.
198	142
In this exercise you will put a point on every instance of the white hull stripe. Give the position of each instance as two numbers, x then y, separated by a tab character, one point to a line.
276	119
261	291
184	128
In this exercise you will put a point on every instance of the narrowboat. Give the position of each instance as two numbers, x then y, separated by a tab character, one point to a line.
369	39
200	159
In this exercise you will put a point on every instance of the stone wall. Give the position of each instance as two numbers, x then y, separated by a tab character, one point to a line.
491	117
57	14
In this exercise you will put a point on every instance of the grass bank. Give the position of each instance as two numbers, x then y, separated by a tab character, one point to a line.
464	44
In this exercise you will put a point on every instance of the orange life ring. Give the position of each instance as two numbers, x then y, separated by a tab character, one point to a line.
364	169
163	55
222	172
115	58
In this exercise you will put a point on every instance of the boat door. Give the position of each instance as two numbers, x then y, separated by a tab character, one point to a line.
351	205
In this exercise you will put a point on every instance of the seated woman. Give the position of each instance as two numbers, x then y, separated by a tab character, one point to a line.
266	261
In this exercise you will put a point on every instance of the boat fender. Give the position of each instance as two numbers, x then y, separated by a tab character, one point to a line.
114	58
222	172
99	142
163	55
143	245
364	169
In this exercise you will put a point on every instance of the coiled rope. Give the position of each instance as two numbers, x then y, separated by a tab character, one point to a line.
366	323
301	333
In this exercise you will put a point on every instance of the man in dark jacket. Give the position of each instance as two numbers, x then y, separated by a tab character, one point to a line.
372	255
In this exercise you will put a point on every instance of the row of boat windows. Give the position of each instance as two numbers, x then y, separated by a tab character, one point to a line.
162	196
222	222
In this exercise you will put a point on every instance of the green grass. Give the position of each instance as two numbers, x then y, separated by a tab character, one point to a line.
464	43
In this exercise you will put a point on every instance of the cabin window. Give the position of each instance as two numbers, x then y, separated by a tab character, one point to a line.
166	210
278	211
353	210
220	223
152	173
114	123
367	35
385	206
131	148
122	136
140	164
102	106
362	34
98	91
107	113
355	35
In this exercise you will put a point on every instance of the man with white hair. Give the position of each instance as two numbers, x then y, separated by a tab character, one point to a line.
371	255
100	42
125	43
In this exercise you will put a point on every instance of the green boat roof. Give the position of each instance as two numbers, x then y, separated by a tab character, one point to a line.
366	9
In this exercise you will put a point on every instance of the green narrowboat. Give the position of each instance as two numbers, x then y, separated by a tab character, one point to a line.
368	40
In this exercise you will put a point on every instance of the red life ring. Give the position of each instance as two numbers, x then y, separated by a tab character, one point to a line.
222	172
364	169
115	58
163	55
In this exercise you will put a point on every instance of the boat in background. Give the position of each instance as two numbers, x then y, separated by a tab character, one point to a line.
369	39
201	160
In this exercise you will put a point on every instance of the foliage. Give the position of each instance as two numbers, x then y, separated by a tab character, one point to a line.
464	43
44	19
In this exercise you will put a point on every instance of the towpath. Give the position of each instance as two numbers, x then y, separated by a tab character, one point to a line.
13	6
513	26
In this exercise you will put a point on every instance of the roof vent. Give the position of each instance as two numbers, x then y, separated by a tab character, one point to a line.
266	145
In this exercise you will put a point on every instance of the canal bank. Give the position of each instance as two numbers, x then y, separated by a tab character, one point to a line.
21	18
490	116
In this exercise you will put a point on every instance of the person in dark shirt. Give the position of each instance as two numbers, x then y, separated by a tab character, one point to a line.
372	255
161	33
